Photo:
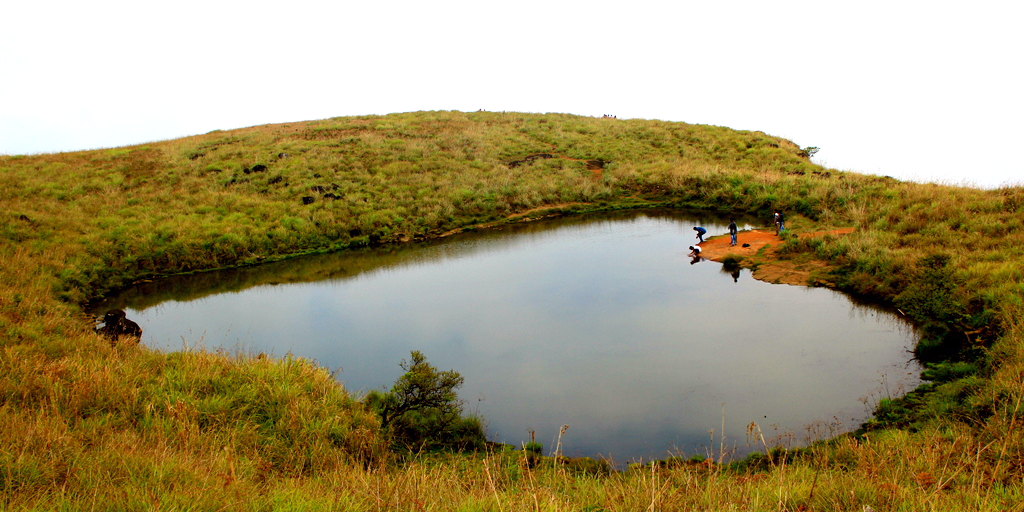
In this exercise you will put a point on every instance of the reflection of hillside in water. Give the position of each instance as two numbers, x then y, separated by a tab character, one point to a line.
352	263
596	321
301	269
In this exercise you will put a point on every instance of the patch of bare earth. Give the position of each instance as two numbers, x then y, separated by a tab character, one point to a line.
760	254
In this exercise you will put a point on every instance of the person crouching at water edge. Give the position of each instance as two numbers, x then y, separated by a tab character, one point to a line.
695	254
700	233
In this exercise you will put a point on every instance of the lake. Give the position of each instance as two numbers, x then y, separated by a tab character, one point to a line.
599	322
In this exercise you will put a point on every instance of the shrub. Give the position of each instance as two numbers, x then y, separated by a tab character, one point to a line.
422	410
732	261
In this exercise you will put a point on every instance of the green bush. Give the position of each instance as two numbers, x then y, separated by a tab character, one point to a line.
422	411
732	261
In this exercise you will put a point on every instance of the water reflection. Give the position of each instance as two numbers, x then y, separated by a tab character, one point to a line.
597	322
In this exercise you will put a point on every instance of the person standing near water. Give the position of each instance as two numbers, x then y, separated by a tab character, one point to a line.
700	233
733	230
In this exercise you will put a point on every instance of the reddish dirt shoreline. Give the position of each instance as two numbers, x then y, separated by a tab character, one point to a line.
766	266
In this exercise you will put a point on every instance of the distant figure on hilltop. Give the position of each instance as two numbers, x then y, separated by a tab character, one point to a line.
116	325
700	233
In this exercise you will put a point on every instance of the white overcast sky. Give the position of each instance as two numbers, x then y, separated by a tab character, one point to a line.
927	91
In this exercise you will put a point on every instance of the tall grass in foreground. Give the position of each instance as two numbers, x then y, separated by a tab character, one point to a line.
929	471
88	425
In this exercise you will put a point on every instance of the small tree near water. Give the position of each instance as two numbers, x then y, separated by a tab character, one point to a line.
423	410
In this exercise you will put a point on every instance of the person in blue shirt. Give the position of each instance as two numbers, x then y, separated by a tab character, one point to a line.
700	233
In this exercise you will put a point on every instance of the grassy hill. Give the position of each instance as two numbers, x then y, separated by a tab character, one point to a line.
90	425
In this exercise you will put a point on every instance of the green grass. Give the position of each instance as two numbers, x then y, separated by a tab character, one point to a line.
88	425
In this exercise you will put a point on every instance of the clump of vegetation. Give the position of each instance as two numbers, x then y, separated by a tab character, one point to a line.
534	447
732	261
422	411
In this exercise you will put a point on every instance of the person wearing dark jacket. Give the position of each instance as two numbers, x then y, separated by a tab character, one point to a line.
115	326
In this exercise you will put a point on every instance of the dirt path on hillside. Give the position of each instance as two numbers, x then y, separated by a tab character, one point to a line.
765	263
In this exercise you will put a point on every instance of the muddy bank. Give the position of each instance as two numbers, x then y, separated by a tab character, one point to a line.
760	256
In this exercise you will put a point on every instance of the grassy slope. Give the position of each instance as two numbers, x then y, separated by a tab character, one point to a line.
92	424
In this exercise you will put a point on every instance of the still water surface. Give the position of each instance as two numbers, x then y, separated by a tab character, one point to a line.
601	323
